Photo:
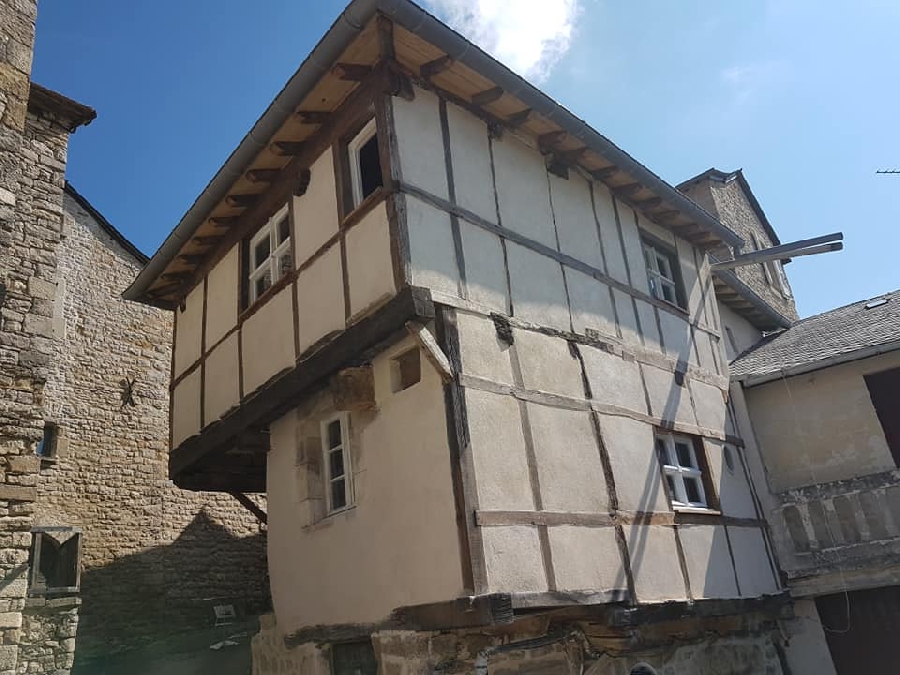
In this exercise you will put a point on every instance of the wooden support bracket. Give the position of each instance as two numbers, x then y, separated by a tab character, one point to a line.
433	352
351	72
432	68
486	97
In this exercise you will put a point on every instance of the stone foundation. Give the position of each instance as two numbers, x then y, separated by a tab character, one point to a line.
568	651
47	643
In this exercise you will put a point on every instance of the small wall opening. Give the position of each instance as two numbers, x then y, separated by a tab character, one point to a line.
46	448
406	370
55	561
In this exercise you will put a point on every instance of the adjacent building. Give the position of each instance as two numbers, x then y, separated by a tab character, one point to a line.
823	401
471	352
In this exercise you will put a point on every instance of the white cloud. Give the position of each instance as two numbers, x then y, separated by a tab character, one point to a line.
529	36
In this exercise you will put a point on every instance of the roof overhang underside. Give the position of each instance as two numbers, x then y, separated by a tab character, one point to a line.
435	57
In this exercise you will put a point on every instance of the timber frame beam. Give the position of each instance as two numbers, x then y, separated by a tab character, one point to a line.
207	453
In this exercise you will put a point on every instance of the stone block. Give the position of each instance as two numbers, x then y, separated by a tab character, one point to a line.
8	655
23	464
41	288
11	620
17	493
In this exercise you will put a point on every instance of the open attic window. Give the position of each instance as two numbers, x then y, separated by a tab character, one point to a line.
365	163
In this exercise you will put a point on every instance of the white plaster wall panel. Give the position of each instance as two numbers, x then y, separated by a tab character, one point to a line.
741	331
481	352
735	496
320	298
188	330
648	226
709	404
614	381
693	284
649	329
632	455
267	340
470	153
523	192
568	460
609	233
431	251
631	236
654	563
574	217
752	562
707	349
186	408
400	457
677	337
316	212
547	364
668	400
590	303
369	265
538	288
708	560
586	559
627	321
420	142
221	380
512	556
498	451
222	297
485	266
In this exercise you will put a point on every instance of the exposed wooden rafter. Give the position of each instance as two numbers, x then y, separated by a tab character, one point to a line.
519	118
351	72
628	190
224	221
386	49
191	258
650	203
262	175
241	201
287	148
605	172
312	116
486	97
432	68
548	140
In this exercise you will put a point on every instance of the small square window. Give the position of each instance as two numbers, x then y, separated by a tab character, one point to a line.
55	560
662	274
406	370
336	456
365	163
685	471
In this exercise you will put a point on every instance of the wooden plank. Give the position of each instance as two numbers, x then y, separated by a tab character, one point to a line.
605	172
262	175
242	201
251	506
519	118
553	599
279	395
640	615
628	190
471	612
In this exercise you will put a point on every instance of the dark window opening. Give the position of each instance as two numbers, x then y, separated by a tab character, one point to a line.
46	448
406	370
55	560
664	273
884	390
369	168
353	658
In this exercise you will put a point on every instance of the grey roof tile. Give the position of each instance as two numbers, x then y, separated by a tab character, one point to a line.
838	332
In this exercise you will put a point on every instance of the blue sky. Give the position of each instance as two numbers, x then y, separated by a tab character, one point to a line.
801	94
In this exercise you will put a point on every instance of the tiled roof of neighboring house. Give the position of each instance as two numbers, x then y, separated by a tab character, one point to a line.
865	328
123	241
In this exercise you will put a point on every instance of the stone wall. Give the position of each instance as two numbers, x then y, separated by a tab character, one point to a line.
29	225
48	635
155	559
568	650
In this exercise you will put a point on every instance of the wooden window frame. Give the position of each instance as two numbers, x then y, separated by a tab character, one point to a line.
37	534
653	249
344	447
674	473
277	249
365	134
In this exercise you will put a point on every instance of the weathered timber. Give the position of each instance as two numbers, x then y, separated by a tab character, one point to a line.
313	116
286	148
472	612
605	172
262	175
650	203
251	506
433	353
275	398
519	118
628	190
242	201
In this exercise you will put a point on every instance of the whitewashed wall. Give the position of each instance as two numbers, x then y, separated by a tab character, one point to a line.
562	259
